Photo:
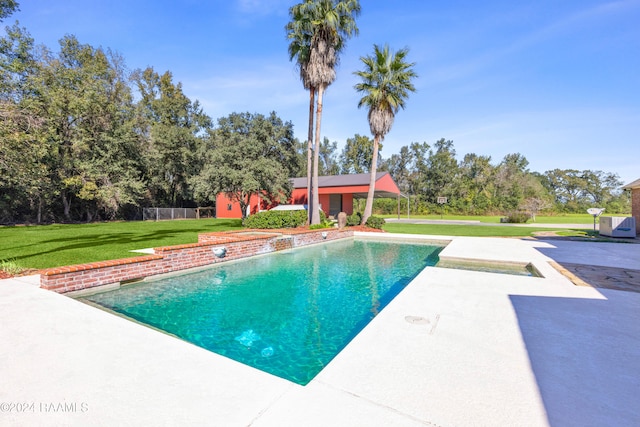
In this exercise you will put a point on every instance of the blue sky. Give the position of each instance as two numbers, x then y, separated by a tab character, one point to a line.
556	81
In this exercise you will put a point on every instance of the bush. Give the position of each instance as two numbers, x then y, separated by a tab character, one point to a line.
10	266
517	218
375	222
354	219
277	219
324	222
321	225
284	219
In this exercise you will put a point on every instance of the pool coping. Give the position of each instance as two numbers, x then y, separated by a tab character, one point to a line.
486	338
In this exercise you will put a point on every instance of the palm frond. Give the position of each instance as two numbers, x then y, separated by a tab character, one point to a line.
386	83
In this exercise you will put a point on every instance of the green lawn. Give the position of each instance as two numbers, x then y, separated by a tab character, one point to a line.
45	246
463	230
495	219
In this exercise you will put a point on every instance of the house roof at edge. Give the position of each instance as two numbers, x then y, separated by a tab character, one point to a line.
634	184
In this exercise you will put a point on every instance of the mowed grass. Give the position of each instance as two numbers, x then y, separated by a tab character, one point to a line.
45	246
495	219
463	230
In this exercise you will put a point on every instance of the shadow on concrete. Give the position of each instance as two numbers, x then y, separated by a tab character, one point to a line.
621	279
585	355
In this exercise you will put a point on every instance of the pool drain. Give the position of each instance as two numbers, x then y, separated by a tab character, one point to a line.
417	320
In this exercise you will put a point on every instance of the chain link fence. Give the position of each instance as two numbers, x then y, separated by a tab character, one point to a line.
159	214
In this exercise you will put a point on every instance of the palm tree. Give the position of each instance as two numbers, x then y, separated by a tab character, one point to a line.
386	83
324	25
299	31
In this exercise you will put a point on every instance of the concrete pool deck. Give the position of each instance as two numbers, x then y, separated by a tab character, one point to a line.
455	348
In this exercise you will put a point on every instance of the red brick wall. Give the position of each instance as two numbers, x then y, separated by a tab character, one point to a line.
175	258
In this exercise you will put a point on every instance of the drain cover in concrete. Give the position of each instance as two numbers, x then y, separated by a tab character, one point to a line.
417	320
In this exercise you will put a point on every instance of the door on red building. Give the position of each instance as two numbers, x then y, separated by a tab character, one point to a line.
335	205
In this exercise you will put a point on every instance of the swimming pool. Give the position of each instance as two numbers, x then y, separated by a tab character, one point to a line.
288	313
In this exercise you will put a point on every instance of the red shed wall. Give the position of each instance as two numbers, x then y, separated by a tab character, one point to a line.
386	183
324	202
299	197
347	203
223	203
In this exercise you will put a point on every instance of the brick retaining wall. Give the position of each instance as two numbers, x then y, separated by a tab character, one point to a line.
174	258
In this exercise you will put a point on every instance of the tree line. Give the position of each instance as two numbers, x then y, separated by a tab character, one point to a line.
82	138
476	185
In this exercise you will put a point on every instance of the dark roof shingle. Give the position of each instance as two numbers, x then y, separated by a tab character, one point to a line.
338	180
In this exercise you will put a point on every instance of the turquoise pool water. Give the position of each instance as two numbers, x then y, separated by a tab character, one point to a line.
287	313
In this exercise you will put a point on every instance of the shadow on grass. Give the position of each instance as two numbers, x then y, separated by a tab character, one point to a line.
99	239
114	244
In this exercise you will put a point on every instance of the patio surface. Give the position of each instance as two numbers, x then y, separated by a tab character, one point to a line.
455	348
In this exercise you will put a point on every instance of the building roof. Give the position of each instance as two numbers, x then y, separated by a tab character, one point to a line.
634	184
356	184
339	180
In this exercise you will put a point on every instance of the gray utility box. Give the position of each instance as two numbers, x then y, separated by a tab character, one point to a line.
618	226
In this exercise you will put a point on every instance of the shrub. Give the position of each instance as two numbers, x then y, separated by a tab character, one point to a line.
277	219
321	225
354	219
324	222
375	222
10	266
517	218
284	219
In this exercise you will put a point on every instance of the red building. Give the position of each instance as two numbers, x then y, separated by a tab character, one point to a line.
336	194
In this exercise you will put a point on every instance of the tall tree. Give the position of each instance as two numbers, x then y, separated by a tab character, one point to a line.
511	182
299	32
87	104
386	83
440	175
600	186
173	125
398	166
252	155
357	155
576	190
7	7
23	184
328	24
302	150
328	157
476	179
419	155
